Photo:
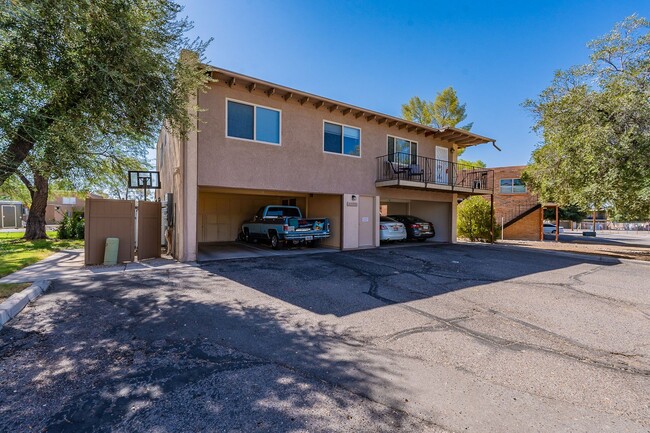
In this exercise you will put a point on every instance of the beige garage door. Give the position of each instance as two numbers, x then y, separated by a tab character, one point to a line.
221	215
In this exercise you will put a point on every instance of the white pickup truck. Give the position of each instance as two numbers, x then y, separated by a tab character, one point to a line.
282	225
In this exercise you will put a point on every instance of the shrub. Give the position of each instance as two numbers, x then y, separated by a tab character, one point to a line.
80	229
72	227
474	220
63	232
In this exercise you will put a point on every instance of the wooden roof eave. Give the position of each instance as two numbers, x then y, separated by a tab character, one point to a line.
460	137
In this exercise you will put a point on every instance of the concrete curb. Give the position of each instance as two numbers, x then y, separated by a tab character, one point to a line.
16	302
594	257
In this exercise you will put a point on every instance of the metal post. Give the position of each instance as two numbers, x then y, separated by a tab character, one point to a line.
501	228
557	223
492	218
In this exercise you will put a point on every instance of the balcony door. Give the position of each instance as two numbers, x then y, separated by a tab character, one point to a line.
442	165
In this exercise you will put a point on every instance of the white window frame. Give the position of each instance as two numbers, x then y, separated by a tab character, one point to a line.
69	200
512	187
254	140
342	125
410	142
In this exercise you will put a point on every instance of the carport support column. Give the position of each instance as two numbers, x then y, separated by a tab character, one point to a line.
453	234
188	247
492	218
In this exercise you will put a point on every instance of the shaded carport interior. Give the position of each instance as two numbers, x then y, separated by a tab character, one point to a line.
222	211
436	212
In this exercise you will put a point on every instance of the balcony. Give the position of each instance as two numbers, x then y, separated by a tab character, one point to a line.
404	170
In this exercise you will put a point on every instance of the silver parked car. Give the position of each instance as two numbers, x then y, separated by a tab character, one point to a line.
391	230
550	229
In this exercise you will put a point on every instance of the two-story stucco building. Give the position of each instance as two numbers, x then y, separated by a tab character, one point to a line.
260	143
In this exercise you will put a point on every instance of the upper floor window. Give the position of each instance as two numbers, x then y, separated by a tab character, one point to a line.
342	139
253	122
69	200
512	186
402	150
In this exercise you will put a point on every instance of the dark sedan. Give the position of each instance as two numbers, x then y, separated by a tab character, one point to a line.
416	228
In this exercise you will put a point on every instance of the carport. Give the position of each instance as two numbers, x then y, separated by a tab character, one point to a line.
222	211
438	213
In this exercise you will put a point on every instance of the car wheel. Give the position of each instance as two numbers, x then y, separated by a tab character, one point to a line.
275	242
246	236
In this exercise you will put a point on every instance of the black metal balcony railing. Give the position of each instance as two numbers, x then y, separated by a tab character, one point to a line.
429	171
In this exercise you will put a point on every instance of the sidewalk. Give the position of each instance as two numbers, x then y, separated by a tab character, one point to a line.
70	263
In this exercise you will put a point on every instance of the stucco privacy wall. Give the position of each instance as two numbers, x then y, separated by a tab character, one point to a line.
299	163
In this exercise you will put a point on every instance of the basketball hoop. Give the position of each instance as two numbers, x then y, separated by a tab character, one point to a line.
144	180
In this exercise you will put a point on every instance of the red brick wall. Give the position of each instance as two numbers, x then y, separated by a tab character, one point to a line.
527	228
508	205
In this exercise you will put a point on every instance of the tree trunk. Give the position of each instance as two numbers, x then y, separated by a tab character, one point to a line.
23	142
36	220
13	156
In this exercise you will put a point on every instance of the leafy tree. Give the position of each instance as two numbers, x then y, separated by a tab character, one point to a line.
70	69
418	110
569	213
13	189
474	222
103	157
445	111
595	123
88	84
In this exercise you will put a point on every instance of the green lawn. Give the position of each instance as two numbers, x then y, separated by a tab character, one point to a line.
16	253
8	289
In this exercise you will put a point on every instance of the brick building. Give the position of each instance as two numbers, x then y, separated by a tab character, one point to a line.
515	208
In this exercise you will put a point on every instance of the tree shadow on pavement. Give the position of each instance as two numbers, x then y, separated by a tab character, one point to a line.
151	352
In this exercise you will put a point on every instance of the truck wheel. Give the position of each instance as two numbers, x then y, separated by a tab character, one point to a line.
275	242
246	236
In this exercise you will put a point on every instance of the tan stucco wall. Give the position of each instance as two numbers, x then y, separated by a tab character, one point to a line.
439	214
299	163
208	161
327	206
221	214
176	161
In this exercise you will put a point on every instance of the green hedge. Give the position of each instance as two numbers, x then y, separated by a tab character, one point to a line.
474	220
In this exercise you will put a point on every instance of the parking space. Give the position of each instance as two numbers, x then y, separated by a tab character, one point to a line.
241	250
422	338
437	213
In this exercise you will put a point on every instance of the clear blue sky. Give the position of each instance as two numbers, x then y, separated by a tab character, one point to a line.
378	54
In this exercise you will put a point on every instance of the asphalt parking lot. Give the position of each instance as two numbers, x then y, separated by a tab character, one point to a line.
471	338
